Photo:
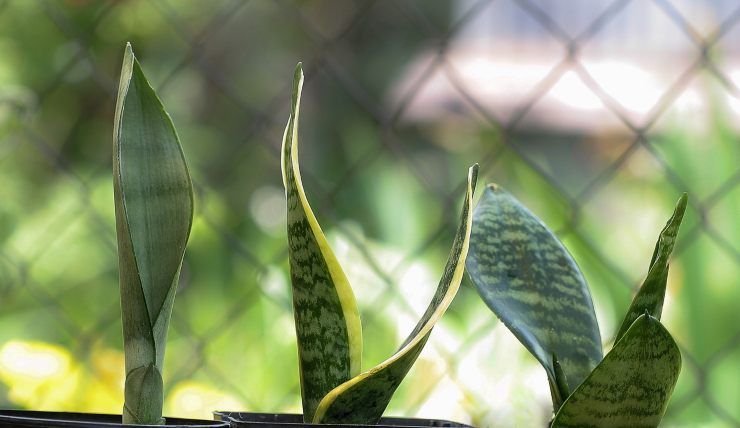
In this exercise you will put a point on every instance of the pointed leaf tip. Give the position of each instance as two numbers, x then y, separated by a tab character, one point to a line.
128	55
297	88
649	298
298	73
473	173
684	199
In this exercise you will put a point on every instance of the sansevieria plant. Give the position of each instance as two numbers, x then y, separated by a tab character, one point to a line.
530	281
154	212
334	388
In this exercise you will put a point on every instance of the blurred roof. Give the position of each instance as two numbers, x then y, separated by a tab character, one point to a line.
512	63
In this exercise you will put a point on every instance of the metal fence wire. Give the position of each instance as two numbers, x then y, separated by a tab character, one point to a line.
597	114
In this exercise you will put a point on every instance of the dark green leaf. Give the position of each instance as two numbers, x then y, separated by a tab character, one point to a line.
633	384
154	212
530	281
652	292
559	390
326	317
363	399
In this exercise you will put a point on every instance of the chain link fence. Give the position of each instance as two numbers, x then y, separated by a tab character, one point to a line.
597	114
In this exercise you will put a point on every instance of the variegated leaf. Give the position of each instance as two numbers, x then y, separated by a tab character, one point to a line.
154	212
631	386
363	399
531	282
326	317
652	292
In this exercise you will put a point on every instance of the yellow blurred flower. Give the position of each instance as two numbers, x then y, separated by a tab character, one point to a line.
194	400
43	376
102	388
39	375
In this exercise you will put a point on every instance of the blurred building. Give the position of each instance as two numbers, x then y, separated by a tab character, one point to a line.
578	66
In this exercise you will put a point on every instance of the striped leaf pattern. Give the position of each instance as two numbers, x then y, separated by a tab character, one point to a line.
363	399
326	317
631	386
652	292
154	212
531	282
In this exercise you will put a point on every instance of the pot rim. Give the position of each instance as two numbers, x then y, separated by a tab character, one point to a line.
91	420
296	420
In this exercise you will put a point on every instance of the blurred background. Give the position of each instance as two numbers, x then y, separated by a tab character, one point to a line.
596	114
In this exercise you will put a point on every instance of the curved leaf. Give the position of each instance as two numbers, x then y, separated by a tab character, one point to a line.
633	384
363	399
530	281
652	292
326	317
154	212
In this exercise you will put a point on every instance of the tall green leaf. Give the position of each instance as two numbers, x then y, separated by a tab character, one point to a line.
631	386
530	281
363	399
327	321
652	292
154	212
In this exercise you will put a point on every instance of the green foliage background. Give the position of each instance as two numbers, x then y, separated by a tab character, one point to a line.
386	191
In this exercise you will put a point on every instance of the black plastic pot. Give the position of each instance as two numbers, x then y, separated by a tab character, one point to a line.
22	418
282	420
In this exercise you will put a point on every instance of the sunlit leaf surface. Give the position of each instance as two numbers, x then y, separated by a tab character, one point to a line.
364	398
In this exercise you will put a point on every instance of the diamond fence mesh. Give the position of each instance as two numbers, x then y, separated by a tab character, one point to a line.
597	114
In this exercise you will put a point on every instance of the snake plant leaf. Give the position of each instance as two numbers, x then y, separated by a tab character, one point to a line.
531	282
652	292
363	399
327	320
154	211
138	404
631	386
559	389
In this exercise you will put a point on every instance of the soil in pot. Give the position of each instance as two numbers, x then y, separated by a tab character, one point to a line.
22	418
